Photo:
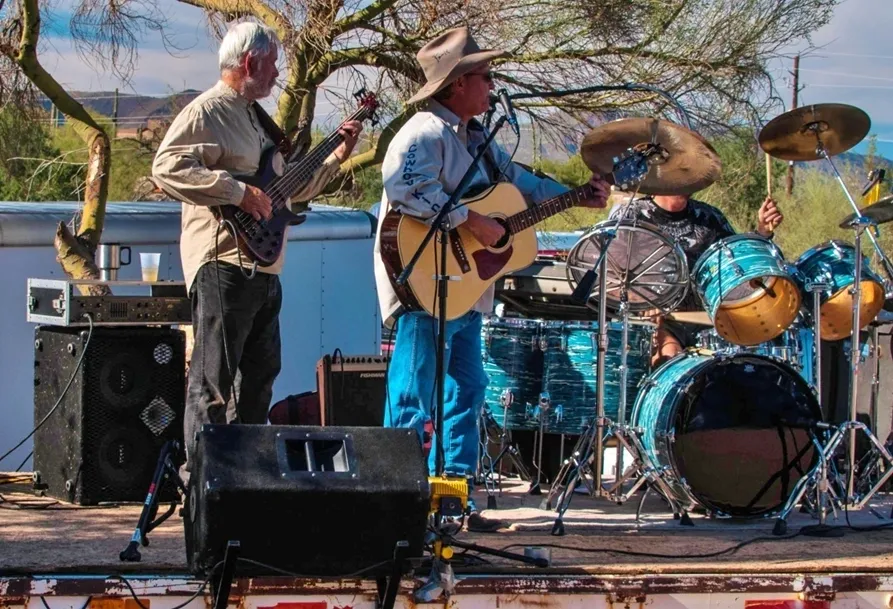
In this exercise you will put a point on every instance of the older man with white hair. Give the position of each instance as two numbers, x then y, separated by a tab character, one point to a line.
235	313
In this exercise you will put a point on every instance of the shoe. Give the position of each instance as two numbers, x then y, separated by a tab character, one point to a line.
475	523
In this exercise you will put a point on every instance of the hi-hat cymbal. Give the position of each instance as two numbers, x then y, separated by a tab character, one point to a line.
689	165
880	212
795	135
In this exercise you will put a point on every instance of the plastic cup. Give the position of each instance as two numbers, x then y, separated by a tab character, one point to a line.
149	266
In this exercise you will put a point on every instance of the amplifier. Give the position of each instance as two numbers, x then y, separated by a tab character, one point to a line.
352	389
57	302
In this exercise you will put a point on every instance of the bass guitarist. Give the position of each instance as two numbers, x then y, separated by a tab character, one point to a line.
424	163
221	134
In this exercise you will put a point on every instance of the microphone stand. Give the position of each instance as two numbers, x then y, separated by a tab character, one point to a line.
441	225
441	579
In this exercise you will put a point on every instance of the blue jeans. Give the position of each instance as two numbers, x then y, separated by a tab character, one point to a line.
411	381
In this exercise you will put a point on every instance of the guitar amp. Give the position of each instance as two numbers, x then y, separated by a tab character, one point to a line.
56	302
352	389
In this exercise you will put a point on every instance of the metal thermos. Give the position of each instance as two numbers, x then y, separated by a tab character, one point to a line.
108	259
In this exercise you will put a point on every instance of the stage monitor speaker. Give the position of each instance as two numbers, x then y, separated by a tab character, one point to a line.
101	443
352	389
309	500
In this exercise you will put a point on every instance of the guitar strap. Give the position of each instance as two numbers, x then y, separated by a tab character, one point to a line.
276	134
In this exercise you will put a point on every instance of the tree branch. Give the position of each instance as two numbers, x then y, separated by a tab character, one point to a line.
233	9
361	17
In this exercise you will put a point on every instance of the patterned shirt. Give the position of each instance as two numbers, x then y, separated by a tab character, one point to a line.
695	228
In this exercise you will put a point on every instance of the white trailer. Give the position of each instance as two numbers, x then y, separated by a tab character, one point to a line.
329	298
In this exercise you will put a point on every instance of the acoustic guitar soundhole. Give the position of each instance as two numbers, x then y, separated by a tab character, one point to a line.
505	237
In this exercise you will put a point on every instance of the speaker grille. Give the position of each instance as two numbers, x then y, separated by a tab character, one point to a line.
128	400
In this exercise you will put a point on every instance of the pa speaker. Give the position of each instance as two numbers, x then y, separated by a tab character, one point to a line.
352	389
102	436
308	500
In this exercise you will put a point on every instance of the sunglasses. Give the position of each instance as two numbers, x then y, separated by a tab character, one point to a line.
487	76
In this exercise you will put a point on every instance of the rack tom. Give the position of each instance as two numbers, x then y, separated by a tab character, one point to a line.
747	289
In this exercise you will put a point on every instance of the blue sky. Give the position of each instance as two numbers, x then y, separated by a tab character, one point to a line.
854	65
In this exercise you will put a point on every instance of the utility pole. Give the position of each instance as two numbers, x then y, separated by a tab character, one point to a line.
789	186
115	109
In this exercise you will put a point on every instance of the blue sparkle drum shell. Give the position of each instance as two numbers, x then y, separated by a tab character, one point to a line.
747	289
513	360
834	264
570	371
730	430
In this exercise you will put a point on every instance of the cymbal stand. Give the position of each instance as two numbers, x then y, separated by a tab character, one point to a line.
818	475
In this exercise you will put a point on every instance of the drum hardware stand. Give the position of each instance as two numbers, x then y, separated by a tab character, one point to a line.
489	464
545	405
581	460
818	476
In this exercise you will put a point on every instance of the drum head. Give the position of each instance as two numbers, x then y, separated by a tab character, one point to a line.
741	434
641	260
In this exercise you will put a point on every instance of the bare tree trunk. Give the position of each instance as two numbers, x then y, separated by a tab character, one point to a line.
75	253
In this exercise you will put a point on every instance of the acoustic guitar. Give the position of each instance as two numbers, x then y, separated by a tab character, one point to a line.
475	265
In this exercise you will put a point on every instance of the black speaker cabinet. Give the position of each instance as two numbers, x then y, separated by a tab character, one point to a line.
101	443
352	390
309	500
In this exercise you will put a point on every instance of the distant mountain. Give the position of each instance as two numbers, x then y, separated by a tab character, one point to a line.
133	108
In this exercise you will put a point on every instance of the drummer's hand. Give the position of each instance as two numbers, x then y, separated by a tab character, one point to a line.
599	198
769	217
484	228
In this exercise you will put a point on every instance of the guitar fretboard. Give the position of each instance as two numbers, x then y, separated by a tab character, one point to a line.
536	214
299	173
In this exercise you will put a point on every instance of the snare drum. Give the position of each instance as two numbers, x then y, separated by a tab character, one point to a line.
570	371
834	264
729	431
747	289
514	362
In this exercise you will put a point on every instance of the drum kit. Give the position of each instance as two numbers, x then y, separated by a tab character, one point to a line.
734	425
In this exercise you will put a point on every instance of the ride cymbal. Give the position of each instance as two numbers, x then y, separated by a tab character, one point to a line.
687	164
880	212
795	135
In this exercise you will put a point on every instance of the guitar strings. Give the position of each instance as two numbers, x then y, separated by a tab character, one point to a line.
298	173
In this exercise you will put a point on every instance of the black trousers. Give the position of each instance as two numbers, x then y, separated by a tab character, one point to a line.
245	314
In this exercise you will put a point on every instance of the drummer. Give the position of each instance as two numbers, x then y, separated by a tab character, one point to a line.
694	225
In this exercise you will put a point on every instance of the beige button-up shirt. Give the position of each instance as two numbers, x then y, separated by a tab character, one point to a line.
425	162
212	139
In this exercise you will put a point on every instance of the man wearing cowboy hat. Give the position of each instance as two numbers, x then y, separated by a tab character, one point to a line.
424	163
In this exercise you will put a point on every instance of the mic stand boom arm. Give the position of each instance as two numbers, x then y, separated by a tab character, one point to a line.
601	88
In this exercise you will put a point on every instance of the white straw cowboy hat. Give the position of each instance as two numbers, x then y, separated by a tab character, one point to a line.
446	58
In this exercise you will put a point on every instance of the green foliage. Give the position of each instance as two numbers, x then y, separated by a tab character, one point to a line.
25	149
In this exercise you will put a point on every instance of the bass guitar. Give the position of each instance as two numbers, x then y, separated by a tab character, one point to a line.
475	265
262	240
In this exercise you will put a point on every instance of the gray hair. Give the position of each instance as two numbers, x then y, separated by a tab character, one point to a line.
249	38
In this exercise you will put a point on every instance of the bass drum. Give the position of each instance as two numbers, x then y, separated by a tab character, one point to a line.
730	431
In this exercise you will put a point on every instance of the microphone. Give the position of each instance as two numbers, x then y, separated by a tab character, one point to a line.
508	110
584	288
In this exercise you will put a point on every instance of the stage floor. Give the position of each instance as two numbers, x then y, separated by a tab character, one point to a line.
76	540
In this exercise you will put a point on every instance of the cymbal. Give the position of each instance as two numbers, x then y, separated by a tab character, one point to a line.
689	165
880	212
794	135
691	317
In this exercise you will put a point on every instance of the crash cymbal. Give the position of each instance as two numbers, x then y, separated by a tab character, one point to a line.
794	135
880	212
689	162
